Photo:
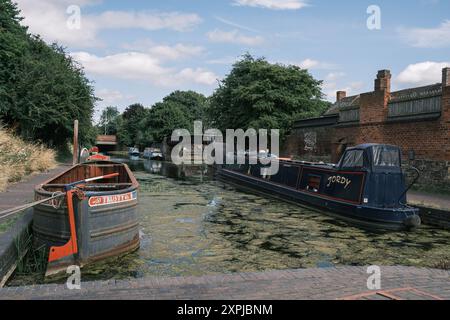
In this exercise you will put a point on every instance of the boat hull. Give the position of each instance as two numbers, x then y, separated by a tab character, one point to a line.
366	216
106	222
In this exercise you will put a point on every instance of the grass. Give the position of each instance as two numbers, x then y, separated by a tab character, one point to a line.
8	223
19	158
29	259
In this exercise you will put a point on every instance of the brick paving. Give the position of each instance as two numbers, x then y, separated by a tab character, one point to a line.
325	283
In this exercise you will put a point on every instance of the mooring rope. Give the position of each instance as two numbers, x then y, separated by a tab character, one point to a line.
9	212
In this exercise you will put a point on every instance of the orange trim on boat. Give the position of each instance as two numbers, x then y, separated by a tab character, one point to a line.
71	247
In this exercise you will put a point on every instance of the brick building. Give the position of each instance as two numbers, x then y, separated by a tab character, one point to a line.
416	119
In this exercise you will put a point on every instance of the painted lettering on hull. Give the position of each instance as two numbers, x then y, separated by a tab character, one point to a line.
112	199
340	180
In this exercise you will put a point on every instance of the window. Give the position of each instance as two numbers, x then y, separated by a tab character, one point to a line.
313	182
385	156
353	159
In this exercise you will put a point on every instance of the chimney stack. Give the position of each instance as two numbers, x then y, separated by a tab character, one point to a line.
340	95
383	81
446	77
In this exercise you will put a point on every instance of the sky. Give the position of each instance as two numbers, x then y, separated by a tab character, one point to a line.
140	51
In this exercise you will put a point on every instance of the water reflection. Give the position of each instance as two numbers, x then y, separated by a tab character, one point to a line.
194	225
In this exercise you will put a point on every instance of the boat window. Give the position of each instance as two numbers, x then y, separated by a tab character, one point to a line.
313	182
385	156
353	159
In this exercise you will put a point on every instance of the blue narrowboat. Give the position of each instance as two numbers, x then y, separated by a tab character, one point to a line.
366	187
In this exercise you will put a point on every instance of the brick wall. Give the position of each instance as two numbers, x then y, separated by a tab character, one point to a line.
430	140
309	144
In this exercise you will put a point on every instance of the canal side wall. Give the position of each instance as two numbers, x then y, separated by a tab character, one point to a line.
10	245
435	217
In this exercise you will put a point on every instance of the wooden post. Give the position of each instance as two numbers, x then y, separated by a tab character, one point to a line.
75	142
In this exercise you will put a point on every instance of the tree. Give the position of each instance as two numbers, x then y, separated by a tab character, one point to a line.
258	94
190	103
13	48
165	117
109	121
42	90
129	132
178	110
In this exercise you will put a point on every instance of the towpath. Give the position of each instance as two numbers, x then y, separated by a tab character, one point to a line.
22	192
441	202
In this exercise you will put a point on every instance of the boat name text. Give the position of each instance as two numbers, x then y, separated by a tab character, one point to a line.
106	200
339	179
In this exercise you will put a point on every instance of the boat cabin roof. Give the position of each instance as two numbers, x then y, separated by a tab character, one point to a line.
371	156
365	146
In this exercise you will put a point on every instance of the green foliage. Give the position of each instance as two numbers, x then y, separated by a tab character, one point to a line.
179	110
190	103
129	131
110	120
257	94
42	90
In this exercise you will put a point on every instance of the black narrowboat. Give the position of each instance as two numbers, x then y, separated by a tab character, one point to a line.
366	187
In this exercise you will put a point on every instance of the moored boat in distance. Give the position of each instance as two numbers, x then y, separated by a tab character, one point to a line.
97	219
366	187
92	154
134	152
153	154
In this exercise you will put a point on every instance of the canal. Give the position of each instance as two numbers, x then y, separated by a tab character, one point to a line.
192	224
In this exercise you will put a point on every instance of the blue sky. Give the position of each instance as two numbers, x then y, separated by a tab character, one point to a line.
140	51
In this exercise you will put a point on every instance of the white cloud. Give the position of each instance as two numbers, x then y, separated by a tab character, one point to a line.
164	52
273	4
331	87
427	37
234	37
109	97
225	60
313	64
333	76
179	51
198	75
308	64
145	20
49	19
423	73
142	66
